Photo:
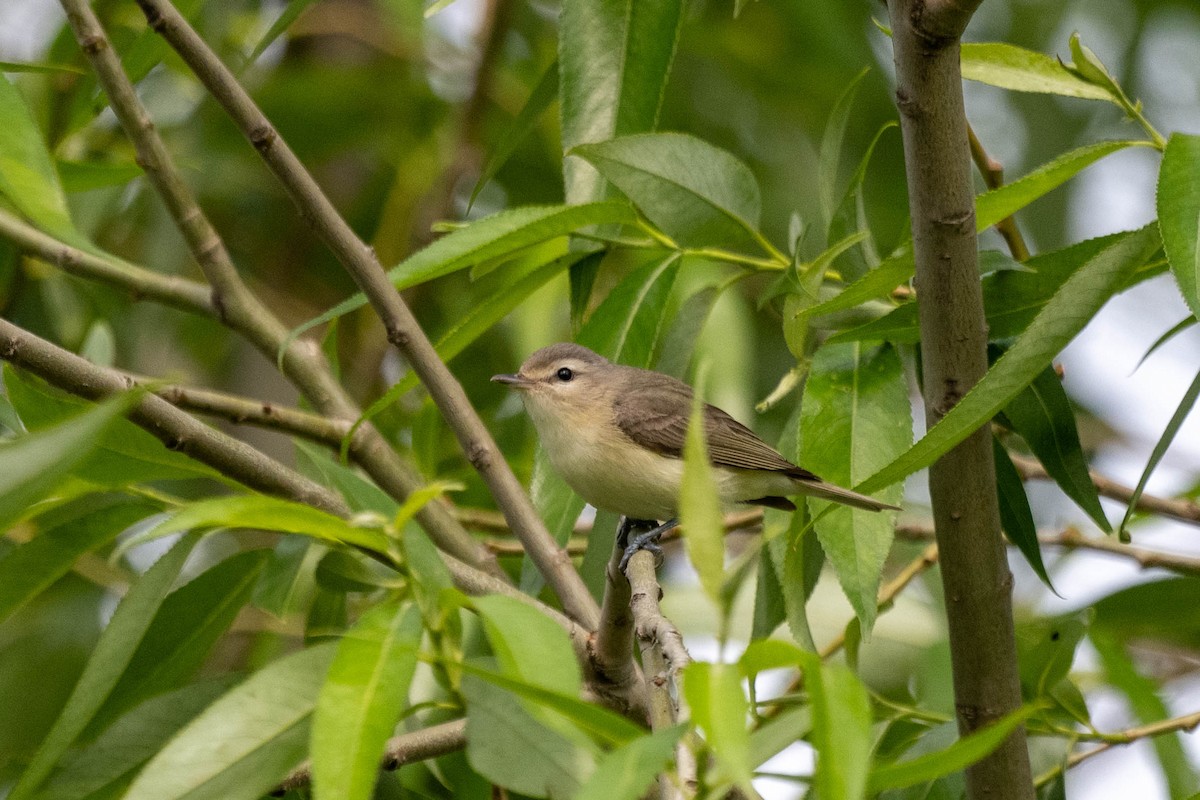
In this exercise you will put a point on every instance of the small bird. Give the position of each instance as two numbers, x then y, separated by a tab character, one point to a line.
616	435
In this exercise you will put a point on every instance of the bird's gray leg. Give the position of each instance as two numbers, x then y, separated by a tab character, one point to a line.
629	525
646	541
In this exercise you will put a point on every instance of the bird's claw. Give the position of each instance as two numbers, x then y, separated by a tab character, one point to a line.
647	540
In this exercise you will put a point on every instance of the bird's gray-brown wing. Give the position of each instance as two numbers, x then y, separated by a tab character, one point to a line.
655	415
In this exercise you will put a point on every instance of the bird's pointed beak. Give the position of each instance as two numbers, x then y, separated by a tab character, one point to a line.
515	381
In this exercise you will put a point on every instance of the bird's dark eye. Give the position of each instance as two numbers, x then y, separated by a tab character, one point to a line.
565	374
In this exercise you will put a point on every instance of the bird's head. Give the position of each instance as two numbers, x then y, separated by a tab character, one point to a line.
562	381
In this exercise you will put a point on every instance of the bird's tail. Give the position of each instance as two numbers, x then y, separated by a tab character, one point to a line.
830	491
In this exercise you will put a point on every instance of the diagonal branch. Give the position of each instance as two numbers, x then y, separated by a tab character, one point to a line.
993	175
237	306
1188	722
403	331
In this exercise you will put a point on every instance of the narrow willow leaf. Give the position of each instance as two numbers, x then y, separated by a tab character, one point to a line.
501	235
606	726
21	66
511	748
855	418
362	699
614	61
1143	695
993	206
124	454
1016	517
1010	67
528	645
1179	213
718	705
876	283
697	193
1077	302
958	756
805	281
271	514
117	644
65	533
1042	414
28	179
1160	450
184	631
798	560
841	717
32	465
108	765
770	609
626	772
1171	333
360	494
626	328
544	93
291	13
241	745
850	216
700	508
85	176
830	159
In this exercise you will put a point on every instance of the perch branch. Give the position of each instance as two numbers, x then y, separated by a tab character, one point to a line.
240	308
431	742
402	328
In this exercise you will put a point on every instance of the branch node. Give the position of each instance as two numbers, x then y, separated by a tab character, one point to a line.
263	137
93	43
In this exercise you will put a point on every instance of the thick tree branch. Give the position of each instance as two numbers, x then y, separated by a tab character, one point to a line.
403	331
237	306
431	742
962	484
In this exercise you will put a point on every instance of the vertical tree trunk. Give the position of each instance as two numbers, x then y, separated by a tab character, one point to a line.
962	484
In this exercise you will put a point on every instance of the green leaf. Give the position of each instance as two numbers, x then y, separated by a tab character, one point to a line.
1148	705
1042	414
958	756
361	495
614	61
109	659
995	205
697	193
186	628
271	514
1137	612
798	560
1077	302
502	235
544	93
1179	213
1046	650
241	745
529	646
770	608
830	159
718	705
123	454
1171	333
850	216
84	176
1010	67
1160	450
65	533
626	772
291	13
20	66
876	283
364	695
700	508
511	748
841	716
33	465
27	175
855	419
1016	518
349	571
107	766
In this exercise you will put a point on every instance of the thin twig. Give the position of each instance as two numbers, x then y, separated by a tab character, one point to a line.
237	306
1180	509
403	331
431	742
1073	539
993	175
1188	722
663	658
